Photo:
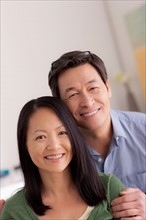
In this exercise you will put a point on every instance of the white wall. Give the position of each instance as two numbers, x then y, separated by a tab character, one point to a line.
35	33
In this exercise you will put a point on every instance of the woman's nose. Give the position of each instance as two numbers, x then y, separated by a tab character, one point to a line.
53	143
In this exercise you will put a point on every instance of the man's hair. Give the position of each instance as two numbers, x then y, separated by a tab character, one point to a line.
70	60
82	166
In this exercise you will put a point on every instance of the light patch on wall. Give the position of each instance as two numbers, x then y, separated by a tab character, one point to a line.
136	26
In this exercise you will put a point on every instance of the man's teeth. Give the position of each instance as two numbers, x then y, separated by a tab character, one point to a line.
54	157
90	113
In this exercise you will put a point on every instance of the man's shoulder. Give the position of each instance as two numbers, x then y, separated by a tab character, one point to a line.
129	116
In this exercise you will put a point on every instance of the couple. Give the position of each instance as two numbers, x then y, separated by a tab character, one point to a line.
115	138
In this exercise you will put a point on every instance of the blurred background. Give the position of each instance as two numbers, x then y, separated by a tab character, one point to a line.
35	33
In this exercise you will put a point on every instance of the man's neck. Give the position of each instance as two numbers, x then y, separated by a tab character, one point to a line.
99	139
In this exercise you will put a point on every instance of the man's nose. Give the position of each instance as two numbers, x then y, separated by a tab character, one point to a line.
87	100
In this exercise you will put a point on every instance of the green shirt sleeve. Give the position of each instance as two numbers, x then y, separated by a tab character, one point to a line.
113	187
16	208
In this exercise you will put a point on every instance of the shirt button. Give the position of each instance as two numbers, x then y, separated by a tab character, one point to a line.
117	140
99	159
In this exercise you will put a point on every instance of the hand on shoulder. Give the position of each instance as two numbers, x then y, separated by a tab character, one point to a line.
1	204
131	203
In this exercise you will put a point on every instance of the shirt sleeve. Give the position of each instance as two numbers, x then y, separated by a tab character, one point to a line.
16	208
113	186
5	213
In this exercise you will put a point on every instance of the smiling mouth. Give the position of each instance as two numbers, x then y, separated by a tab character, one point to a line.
90	113
54	157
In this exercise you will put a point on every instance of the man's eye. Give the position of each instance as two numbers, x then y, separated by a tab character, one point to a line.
73	96
94	89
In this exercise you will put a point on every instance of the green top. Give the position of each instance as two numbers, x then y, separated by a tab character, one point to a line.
16	207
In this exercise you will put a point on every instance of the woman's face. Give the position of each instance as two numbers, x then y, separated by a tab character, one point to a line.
47	141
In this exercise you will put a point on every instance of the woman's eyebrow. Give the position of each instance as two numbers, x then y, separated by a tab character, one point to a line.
39	130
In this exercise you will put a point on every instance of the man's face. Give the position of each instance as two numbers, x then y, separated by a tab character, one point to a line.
86	96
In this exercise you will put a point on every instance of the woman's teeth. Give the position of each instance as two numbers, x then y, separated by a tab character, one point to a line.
54	157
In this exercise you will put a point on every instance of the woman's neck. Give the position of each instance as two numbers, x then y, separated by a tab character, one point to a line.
56	184
61	194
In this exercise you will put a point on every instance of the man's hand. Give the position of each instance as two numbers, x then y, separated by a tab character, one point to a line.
131	203
1	204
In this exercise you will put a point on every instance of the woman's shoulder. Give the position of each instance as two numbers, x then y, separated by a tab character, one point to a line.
16	207
15	200
106	178
112	185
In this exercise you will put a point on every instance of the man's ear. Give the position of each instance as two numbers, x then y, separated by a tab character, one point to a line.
108	88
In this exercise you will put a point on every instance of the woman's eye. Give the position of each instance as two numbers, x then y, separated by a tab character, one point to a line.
40	137
63	133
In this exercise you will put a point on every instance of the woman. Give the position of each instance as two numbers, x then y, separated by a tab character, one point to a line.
61	181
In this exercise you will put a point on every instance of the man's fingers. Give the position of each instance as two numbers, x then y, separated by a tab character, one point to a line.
1	204
129	195
123	199
123	206
129	212
131	204
129	190
133	218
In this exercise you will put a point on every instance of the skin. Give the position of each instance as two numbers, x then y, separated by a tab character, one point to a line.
50	150
88	99
44	142
1	204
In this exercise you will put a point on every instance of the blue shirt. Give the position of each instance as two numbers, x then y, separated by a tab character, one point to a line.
127	151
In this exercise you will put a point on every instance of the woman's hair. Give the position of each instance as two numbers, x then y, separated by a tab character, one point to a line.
70	60
82	166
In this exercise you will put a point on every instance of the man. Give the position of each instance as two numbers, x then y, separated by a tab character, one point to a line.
117	139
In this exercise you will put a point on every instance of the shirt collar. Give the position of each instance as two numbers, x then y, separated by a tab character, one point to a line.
118	130
93	152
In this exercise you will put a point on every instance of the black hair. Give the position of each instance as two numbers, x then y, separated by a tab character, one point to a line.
70	60
82	166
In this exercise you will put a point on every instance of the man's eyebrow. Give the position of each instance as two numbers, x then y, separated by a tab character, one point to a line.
74	88
92	81
69	89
